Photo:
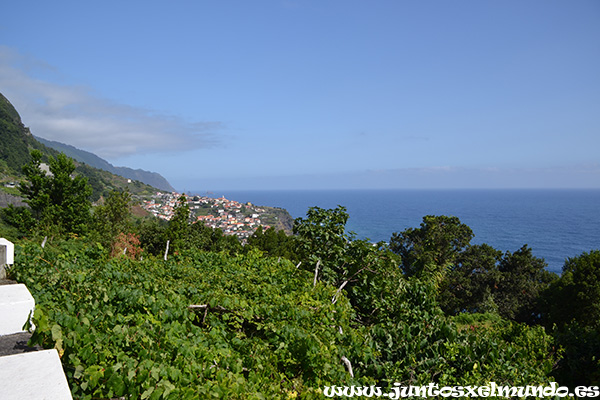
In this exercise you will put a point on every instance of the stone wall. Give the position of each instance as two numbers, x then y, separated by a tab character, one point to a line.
6	199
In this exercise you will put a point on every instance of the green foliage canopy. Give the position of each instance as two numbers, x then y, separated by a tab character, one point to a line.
482	279
576	295
470	283
524	277
322	239
572	310
274	243
113	217
432	247
59	201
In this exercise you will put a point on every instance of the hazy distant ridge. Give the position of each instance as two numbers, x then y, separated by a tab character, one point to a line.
147	177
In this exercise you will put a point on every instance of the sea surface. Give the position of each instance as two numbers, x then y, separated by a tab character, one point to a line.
556	224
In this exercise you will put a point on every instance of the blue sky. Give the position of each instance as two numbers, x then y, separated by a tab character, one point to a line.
316	94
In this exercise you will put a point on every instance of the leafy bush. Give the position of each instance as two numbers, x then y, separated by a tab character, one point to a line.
123	327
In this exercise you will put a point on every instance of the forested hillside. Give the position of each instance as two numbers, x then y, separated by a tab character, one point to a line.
153	179
16	140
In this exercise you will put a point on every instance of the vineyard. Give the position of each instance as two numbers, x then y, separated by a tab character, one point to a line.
125	328
211	325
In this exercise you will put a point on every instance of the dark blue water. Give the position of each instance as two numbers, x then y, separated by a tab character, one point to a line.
556	224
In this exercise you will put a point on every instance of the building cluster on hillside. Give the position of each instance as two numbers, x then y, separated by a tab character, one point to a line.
232	217
161	205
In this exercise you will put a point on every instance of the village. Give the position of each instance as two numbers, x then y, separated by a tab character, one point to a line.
232	217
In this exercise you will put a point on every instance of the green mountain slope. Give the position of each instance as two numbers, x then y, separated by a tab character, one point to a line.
16	140
150	178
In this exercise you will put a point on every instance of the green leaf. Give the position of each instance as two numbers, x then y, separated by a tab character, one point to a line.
147	393
56	332
78	372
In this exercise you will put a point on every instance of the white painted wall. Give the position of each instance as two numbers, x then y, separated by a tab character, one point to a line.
37	375
10	251
16	304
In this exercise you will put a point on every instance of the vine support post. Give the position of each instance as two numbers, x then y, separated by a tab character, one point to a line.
167	250
348	365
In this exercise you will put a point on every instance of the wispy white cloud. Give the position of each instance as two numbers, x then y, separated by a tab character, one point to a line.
75	115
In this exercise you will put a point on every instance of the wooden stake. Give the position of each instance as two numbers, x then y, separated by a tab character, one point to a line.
167	250
334	299
316	273
348	365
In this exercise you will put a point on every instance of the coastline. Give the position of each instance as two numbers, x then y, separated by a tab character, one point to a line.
555	223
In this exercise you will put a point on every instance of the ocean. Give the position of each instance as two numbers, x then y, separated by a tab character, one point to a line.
556	224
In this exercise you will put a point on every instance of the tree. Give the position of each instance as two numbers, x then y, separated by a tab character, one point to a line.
472	278
482	279
572	311
372	280
524	277
126	244
178	229
36	187
59	201
368	273
470	284
152	233
205	238
433	247
576	295
274	243
113	217
322	239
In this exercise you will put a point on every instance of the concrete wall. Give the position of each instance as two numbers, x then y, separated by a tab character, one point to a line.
16	305
2	262
7	256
